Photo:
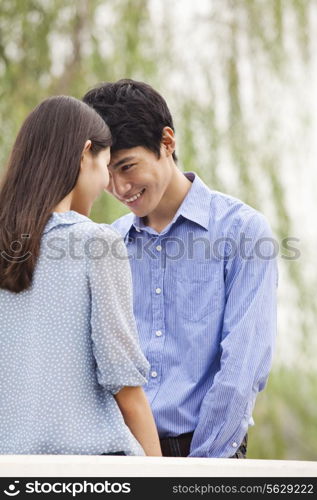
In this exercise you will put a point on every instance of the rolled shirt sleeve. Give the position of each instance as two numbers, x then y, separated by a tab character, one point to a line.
247	340
119	359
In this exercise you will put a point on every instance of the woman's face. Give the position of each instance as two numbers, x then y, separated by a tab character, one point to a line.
99	172
92	181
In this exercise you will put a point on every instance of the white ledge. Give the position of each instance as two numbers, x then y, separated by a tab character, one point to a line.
112	466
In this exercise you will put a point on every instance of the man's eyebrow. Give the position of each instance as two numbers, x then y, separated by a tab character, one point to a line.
122	161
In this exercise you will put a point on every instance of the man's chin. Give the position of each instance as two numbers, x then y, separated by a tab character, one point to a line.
139	213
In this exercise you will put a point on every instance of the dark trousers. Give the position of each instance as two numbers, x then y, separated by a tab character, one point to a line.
179	446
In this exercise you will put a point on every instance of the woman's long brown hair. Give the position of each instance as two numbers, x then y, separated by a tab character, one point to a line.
43	168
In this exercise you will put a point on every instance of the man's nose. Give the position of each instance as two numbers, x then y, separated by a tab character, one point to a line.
120	187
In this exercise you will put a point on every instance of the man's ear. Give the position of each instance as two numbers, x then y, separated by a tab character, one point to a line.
84	154
168	140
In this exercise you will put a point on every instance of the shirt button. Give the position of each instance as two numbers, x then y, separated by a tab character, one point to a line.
158	248
138	229
154	374
235	444
158	333
158	291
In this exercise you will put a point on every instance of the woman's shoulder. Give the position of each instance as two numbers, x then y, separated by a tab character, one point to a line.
102	241
101	231
70	232
79	225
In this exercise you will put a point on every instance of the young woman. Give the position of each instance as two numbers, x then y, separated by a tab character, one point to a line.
71	369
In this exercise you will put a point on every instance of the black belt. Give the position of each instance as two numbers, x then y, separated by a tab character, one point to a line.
179	446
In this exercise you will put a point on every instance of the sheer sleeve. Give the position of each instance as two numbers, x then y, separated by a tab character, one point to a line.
116	348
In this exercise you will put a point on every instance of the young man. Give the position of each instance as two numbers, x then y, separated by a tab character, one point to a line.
204	280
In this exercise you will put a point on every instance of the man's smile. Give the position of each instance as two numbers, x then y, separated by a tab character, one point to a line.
133	198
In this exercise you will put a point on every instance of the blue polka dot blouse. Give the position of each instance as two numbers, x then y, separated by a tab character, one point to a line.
68	344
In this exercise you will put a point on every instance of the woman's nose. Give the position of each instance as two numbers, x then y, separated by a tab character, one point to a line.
108	187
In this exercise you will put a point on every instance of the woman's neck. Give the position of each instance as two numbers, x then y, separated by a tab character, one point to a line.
65	204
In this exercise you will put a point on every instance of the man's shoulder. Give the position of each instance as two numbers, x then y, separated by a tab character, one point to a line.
230	216
123	224
229	211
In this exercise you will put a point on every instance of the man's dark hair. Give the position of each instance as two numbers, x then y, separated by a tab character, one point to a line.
135	113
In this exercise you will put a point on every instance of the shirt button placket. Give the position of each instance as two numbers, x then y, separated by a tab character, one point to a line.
158	314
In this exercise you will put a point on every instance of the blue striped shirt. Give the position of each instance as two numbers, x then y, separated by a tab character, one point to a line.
205	305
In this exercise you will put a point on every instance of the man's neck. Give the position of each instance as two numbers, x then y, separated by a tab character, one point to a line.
171	201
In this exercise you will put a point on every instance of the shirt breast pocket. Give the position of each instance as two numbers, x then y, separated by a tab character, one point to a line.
197	289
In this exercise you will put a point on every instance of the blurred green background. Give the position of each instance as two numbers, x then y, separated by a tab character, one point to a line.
240	79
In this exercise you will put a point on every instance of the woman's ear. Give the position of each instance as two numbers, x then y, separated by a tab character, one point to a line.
168	140
84	154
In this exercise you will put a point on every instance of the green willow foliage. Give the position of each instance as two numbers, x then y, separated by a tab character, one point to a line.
219	78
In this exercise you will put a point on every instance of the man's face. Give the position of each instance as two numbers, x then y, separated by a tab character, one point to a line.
139	179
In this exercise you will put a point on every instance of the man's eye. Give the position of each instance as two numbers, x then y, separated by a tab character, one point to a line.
126	167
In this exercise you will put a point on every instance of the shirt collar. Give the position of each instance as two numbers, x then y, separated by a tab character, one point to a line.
64	218
195	206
